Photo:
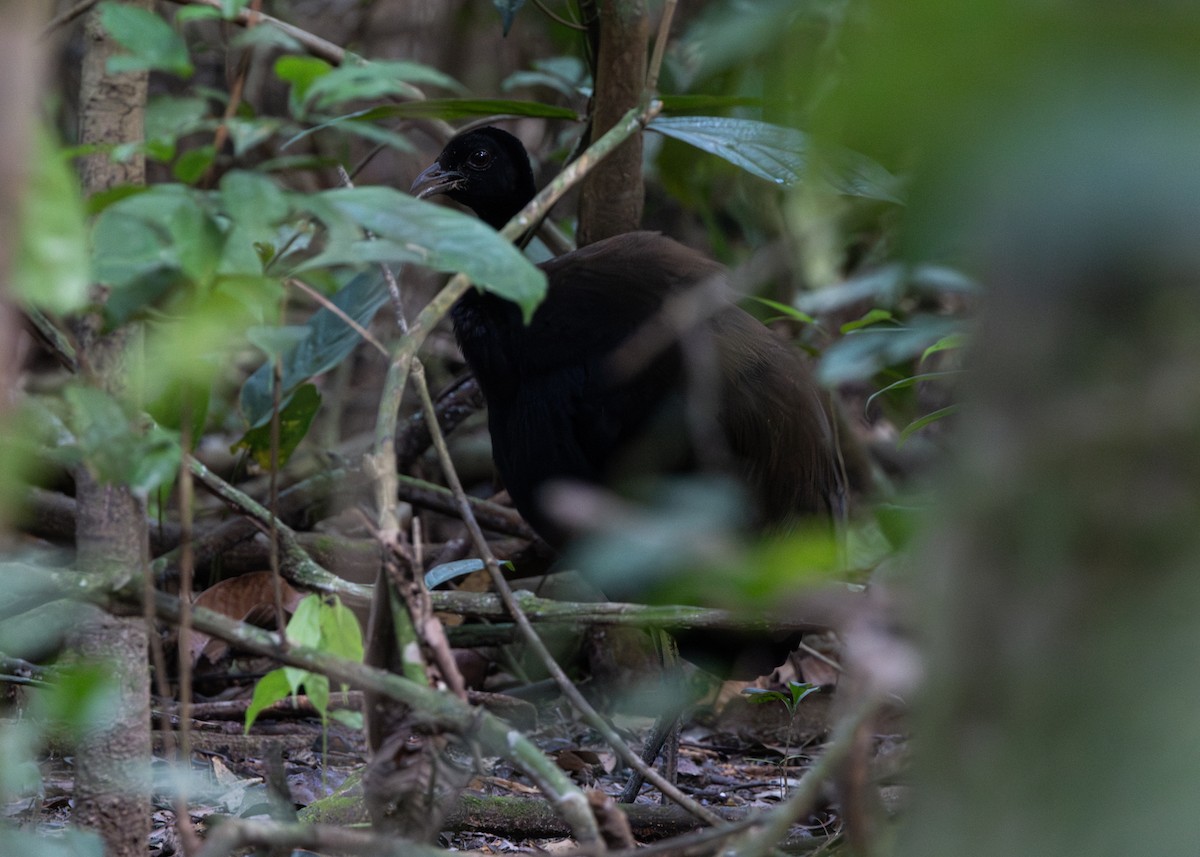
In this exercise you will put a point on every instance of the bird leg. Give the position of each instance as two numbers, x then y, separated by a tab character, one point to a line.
666	729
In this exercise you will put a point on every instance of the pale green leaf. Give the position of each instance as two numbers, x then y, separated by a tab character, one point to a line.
52	270
152	43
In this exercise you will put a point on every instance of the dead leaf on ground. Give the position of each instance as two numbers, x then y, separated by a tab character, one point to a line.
246	598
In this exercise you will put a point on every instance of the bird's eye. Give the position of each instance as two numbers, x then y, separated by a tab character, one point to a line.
479	159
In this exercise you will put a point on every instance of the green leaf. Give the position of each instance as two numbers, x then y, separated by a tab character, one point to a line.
316	688
349	719
81	694
946	343
270	689
327	341
341	634
508	11
917	424
366	130
436	237
899	524
96	419
245	134
301	72
169	117
271	39
871	317
253	201
760	695
152	44
868	351
881	287
786	310
107	442
439	574
156	460
196	13
294	421
51	270
135	258
801	690
771	152
777	154
908	382
565	75
193	164
304	628
147	244
374	81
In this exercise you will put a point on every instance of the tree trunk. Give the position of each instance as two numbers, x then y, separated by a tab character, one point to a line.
112	763
613	194
19	93
1062	584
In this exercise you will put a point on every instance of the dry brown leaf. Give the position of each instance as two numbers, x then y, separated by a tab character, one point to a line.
246	598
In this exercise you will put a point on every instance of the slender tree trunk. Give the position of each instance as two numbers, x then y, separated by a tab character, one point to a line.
1062	584
19	91
613	195
112	764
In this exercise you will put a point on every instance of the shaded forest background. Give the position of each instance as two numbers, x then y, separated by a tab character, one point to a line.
899	185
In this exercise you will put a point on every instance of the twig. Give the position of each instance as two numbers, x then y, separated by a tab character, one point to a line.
326	303
296	564
314	44
221	134
77	11
660	45
485	605
187	495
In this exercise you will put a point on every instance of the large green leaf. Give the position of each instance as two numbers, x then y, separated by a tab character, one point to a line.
52	267
437	237
778	154
325	342
151	42
294	420
374	81
108	441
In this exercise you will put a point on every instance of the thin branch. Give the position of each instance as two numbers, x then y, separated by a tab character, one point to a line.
660	45
326	303
314	44
296	564
77	11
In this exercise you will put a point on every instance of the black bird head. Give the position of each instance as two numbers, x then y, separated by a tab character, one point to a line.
486	170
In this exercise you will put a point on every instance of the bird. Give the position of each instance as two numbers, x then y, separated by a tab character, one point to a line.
568	399
636	363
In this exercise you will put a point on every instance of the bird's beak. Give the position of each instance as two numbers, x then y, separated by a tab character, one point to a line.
435	180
